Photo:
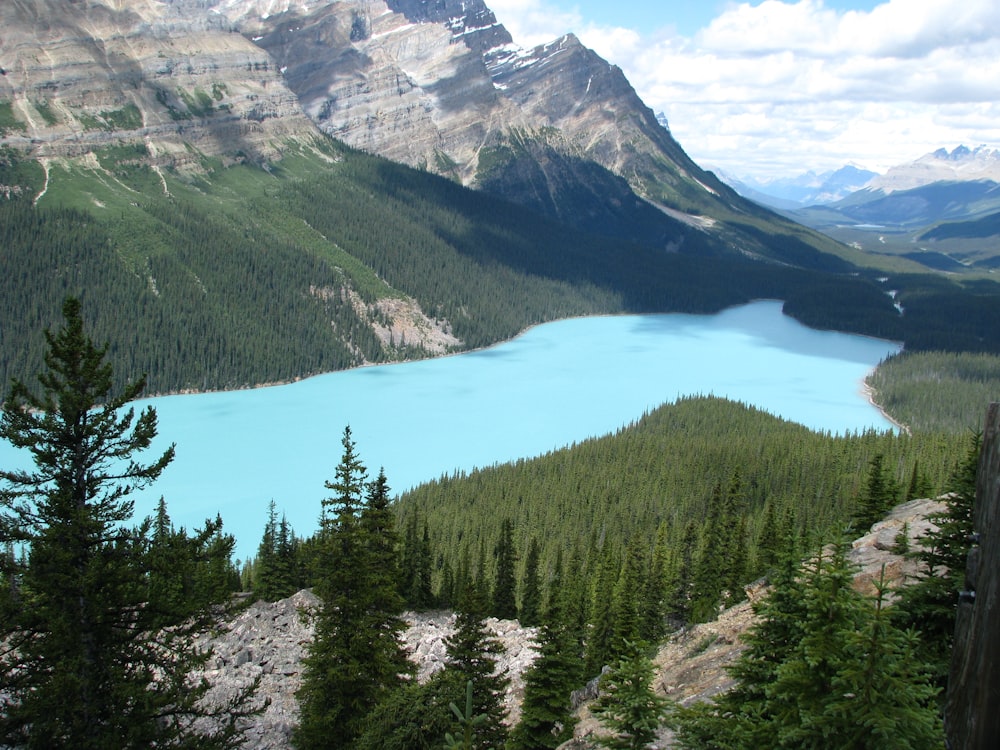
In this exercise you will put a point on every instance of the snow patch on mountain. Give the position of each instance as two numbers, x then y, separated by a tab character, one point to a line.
962	164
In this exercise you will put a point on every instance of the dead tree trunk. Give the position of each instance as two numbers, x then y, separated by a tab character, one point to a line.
972	709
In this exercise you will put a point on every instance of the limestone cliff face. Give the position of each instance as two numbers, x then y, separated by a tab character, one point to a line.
442	85
396	79
439	86
81	74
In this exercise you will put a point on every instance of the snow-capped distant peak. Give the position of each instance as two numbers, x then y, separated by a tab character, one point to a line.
959	165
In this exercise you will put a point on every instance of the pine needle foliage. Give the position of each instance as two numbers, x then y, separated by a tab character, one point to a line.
84	662
355	660
825	667
723	487
472	653
930	603
628	705
546	719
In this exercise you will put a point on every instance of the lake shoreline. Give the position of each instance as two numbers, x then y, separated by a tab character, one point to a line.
515	337
870	394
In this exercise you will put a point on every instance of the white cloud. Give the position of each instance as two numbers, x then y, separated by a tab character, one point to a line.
532	23
781	87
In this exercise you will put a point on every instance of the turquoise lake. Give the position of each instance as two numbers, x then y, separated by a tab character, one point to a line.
555	384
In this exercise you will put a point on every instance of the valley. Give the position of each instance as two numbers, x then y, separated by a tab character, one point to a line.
207	196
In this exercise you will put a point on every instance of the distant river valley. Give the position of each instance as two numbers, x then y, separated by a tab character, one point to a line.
554	385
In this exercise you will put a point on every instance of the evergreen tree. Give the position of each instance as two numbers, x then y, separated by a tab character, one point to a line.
84	663
628	705
472	657
289	576
378	525
546	719
415	566
770	543
355	659
879	495
187	575
710	571
659	579
505	584
929	604
415	717
625	619
824	667
266	585
169	569
918	486
679	600
600	633
531	587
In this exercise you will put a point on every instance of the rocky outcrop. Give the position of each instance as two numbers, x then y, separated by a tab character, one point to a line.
407	82
691	665
170	77
268	640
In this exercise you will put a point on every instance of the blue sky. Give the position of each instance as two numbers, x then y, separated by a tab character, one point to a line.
774	88
685	16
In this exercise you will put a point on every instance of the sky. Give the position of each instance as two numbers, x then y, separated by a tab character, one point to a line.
774	89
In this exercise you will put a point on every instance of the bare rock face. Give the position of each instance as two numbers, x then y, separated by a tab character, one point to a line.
691	664
268	641
400	81
879	548
425	641
168	75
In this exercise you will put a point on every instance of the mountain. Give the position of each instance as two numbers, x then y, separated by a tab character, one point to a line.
79	76
804	190
441	87
934	211
363	181
962	164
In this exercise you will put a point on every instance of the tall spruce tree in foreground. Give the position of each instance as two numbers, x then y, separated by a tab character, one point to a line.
472	656
83	664
355	660
546	719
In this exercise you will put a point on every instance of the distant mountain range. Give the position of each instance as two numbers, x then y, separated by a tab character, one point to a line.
962	164
942	210
804	190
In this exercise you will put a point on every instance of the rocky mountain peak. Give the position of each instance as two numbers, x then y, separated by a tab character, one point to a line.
470	21
961	164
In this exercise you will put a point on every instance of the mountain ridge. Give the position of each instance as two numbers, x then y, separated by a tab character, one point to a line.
159	161
439	87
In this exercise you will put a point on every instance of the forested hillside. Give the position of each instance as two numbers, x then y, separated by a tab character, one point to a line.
671	479
937	390
244	275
